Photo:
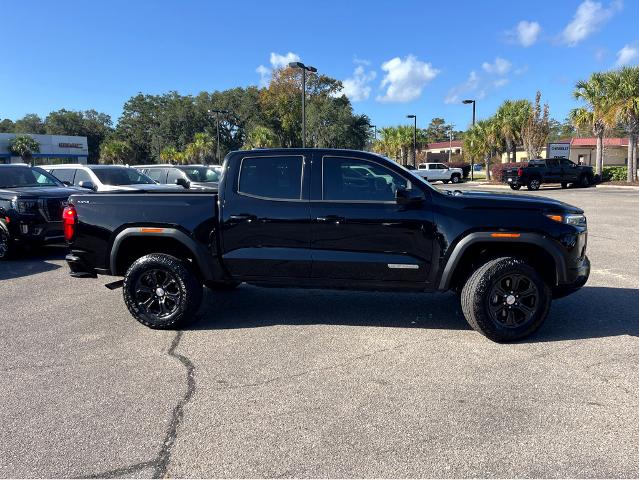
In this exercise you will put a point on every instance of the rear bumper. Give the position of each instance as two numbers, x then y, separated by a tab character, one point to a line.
78	268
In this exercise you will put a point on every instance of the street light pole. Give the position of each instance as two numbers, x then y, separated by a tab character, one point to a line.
472	167
217	131
304	69
414	117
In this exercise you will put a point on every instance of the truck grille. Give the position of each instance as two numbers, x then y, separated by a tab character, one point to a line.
52	209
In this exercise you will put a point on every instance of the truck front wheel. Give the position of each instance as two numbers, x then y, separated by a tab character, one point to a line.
161	292
6	249
505	299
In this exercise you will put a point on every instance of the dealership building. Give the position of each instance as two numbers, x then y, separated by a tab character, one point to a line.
53	149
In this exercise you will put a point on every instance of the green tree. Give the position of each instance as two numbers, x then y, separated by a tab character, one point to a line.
169	154
261	137
622	99
116	152
24	146
30	123
201	150
535	131
484	141
512	116
593	93
7	126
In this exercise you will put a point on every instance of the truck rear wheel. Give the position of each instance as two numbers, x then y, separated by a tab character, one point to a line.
505	299
6	249
161	292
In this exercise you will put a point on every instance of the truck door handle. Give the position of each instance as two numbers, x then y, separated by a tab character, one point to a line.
242	218
330	219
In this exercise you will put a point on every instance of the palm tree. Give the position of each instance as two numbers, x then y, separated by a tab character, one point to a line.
512	116
24	146
593	92
484	140
623	106
115	152
261	137
201	150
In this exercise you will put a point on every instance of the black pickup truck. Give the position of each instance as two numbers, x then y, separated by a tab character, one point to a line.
31	204
336	219
552	170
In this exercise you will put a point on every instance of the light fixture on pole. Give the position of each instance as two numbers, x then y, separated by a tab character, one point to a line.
304	68
217	130
472	167
414	117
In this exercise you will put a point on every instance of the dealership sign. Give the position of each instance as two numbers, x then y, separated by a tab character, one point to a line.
70	145
558	150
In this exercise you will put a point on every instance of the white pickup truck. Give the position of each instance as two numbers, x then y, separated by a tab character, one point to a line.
438	171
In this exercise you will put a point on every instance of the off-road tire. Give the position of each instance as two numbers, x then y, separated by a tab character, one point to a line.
477	298
533	184
6	248
455	178
182	290
515	187
584	181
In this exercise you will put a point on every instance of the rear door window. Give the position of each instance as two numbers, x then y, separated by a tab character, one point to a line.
81	176
278	177
64	174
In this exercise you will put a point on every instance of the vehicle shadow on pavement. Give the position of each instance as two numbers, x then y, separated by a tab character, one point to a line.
251	307
32	263
592	312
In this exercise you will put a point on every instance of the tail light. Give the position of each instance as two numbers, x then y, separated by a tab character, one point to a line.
520	172
69	221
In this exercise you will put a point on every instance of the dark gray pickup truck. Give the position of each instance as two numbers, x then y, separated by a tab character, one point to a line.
552	170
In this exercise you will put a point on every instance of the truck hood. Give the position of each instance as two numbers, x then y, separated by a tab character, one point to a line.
477	199
39	192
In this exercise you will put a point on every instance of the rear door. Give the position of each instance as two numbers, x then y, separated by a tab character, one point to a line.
360	233
552	172
265	217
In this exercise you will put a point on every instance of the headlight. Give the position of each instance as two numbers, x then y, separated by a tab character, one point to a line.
575	219
25	206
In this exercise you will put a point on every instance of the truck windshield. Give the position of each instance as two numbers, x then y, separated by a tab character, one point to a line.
118	176
202	174
12	177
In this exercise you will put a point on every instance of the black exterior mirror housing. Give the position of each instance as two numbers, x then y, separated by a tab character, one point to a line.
88	185
183	182
408	197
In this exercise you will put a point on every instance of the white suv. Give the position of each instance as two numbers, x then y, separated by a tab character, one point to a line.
438	171
103	178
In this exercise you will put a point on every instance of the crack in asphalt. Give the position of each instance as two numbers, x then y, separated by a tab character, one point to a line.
161	462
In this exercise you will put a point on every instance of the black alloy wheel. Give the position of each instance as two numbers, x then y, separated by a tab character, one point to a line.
513	301
158	293
5	244
534	184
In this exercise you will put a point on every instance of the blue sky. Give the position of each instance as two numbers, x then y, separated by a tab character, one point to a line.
395	57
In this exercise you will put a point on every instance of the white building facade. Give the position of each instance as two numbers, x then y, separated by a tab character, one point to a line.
53	149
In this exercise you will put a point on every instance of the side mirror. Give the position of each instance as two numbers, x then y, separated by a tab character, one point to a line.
88	185
408	197
183	182
67	183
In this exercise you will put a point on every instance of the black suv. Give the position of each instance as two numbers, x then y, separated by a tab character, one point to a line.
31	205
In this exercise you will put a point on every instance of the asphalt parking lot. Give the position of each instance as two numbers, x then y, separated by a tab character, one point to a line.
307	383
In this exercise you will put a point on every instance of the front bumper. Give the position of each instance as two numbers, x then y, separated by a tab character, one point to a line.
575	279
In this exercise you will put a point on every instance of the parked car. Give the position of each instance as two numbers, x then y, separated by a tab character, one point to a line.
104	178
307	218
31	205
439	171
191	176
552	170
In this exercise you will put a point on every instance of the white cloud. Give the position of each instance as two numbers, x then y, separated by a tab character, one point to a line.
627	55
589	17
469	86
500	82
521	70
357	87
405	79
527	32
277	61
500	67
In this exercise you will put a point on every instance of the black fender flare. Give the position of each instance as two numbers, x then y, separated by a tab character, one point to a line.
210	269
536	239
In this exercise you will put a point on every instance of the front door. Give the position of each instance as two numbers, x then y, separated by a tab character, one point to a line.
359	232
265	218
568	171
